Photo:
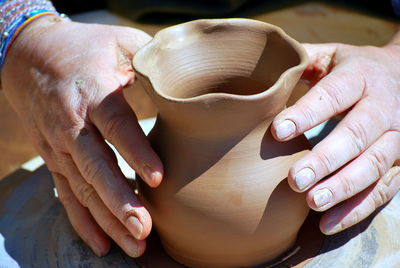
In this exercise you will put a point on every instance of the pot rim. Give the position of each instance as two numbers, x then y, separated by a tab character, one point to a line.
303	57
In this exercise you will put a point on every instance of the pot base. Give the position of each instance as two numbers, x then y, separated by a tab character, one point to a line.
307	245
229	262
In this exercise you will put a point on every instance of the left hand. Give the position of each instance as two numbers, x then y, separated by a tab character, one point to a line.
355	169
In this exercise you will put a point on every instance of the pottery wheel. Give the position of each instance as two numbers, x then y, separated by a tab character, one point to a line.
35	232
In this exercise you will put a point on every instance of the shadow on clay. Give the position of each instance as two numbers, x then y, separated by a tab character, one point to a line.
37	233
270	148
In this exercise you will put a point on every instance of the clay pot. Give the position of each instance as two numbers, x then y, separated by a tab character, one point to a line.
218	84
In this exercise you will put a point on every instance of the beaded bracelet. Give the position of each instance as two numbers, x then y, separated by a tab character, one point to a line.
15	16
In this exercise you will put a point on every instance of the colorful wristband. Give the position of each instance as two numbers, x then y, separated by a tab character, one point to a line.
15	16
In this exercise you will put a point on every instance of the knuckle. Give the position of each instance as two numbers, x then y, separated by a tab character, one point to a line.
85	193
356	217
119	208
358	214
327	161
379	196
348	187
358	136
310	116
111	228
113	126
69	133
52	166
114	205
372	203
58	145
93	168
67	128
330	95
62	159
379	161
43	146
66	199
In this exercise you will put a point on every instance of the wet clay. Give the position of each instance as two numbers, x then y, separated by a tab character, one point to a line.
217	85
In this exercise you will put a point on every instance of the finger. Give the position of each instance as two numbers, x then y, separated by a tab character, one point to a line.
357	175
88	197
359	207
81	219
360	128
97	165
118	124
335	93
113	227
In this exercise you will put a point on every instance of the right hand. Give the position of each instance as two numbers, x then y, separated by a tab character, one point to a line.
65	81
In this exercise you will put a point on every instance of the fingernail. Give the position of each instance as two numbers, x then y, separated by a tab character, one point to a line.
130	246
96	248
149	174
323	197
332	227
285	129
304	178
390	175
135	226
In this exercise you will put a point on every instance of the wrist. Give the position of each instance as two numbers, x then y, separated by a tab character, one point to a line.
35	30
23	46
15	16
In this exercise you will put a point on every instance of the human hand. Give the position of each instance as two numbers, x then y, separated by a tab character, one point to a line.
355	169
65	81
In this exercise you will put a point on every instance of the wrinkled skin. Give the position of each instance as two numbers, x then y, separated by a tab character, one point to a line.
65	81
355	169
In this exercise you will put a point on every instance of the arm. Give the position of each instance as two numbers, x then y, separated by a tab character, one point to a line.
65	81
355	169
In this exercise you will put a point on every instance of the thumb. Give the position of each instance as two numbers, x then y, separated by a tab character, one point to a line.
132	39
129	41
321	61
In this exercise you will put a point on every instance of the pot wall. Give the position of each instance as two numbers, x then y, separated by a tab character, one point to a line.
218	84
